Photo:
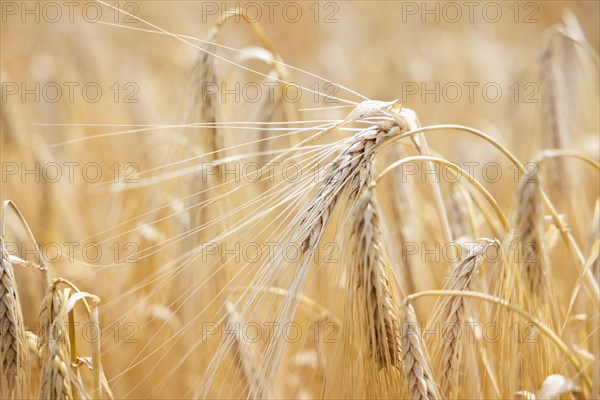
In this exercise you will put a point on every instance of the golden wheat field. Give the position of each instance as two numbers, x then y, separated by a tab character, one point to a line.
300	200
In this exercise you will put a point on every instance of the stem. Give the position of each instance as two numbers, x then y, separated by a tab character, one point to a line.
256	27
72	339
13	206
423	149
73	345
97	388
276	291
560	153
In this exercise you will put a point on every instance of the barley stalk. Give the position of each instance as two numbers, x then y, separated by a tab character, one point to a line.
96	354
403	227
593	235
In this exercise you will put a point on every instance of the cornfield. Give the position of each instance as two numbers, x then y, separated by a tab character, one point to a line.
366	199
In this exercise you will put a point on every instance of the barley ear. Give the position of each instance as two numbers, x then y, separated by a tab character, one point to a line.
246	356
54	349
11	323
420	379
455	314
372	279
529	225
